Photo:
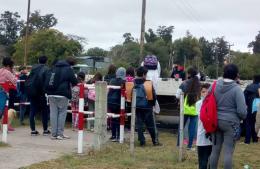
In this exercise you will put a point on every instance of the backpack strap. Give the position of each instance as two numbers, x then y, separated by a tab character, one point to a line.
148	86
214	86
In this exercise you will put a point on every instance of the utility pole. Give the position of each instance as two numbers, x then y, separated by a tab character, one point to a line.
229	54
142	30
26	35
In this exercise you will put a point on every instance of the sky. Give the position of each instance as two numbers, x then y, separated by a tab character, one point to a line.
103	22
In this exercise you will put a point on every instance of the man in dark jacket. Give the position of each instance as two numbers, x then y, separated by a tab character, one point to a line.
59	96
251	92
145	114
38	102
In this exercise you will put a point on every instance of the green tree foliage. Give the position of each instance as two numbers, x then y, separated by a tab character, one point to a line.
188	47
248	64
10	25
255	44
150	36
221	50
207	52
96	51
38	22
128	38
49	42
165	33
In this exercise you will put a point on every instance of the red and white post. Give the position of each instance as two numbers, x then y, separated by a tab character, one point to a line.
81	118
122	115
5	123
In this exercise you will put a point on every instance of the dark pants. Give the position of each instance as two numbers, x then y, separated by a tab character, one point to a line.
250	128
148	119
203	156
23	99
115	124
12	98
192	128
39	105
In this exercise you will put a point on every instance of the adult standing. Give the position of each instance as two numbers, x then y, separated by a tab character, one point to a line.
58	83
251	92
231	108
191	90
111	74
36	95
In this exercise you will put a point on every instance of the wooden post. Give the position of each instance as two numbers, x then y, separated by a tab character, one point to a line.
81	118
132	136
122	115
181	127
100	125
142	30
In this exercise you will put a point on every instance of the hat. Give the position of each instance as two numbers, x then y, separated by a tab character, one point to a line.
120	73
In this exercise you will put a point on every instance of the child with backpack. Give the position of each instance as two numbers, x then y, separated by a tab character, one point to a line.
114	99
204	145
145	101
75	100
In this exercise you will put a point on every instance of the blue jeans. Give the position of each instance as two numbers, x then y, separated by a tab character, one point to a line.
192	128
250	128
3	98
39	105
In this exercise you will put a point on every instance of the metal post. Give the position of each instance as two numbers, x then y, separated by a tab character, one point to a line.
142	30
181	127
122	115
26	34
100	125
132	136
81	118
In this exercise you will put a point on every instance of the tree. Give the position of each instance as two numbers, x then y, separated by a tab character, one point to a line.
255	44
221	50
128	38
39	22
49	42
150	36
165	33
96	51
10	25
207	51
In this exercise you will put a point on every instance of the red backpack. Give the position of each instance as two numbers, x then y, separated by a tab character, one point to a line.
208	111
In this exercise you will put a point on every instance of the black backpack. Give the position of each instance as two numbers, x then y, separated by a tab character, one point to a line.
52	80
33	84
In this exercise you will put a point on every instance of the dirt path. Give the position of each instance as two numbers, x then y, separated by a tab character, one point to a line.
25	149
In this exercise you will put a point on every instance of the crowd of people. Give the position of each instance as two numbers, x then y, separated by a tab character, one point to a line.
59	84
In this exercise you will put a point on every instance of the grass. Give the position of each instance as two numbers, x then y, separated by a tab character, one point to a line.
116	156
4	145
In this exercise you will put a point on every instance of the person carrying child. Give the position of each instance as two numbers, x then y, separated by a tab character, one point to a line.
204	145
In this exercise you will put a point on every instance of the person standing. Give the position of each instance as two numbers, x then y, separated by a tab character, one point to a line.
203	143
191	90
231	109
251	92
36	95
58	83
111	74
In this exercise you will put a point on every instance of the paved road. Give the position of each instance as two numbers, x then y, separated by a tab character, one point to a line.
25	150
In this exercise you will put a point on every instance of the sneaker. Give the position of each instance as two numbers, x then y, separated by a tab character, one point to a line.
59	138
34	133
142	144
114	140
157	144
46	132
65	137
185	141
10	128
191	149
53	137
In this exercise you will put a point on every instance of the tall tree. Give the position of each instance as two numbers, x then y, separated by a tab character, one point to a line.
221	49
255	44
150	36
128	38
96	51
49	42
39	22
165	33
10	25
207	51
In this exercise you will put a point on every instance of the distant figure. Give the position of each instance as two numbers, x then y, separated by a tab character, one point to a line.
174	71
111	73
130	76
114	100
97	77
231	109
251	92
22	93
153	66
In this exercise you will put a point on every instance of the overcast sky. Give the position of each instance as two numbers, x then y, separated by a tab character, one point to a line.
103	22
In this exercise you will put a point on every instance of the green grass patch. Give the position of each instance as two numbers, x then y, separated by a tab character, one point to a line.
116	156
4	145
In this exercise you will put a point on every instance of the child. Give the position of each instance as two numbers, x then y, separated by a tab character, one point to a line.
75	100
114	99
21	92
203	144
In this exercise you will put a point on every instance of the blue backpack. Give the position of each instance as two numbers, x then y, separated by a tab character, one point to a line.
141	97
